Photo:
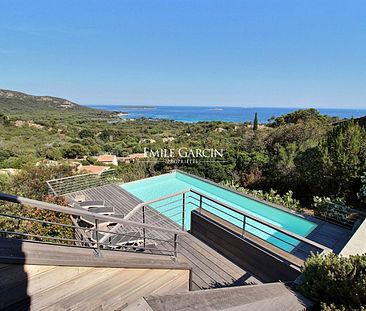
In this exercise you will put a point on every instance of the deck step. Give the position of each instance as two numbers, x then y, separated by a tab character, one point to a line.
27	252
271	296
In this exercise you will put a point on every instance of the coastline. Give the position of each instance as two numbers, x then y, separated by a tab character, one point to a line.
189	114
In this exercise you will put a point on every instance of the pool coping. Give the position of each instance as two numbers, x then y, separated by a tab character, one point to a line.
315	224
274	205
248	196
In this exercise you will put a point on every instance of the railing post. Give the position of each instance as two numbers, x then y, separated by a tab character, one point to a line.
183	210
200	208
244	221
175	245
143	221
97	237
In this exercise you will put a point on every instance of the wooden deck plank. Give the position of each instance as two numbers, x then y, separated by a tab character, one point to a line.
212	265
208	265
80	288
209	268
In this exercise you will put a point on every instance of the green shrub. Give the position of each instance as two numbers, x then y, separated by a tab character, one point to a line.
332	208
286	200
335	281
36	228
30	182
74	151
362	193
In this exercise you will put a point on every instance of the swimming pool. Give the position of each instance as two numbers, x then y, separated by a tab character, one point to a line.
163	185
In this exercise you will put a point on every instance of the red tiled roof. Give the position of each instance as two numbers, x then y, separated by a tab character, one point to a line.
94	169
136	156
106	158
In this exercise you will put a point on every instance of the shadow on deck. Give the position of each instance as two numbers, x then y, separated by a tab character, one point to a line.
209	268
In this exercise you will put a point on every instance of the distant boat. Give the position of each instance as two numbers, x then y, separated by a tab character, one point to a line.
216	109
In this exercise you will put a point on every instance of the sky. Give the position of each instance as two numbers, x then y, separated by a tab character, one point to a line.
268	53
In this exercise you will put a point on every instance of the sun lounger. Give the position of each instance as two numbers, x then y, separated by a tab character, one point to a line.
80	198
90	220
105	210
89	204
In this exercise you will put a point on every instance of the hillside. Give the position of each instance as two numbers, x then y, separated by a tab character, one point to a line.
17	104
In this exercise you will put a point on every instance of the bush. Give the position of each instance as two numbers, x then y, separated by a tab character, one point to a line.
54	154
335	281
362	193
36	228
286	200
332	208
14	162
75	150
31	181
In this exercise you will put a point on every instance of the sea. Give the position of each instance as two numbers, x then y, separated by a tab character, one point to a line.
228	114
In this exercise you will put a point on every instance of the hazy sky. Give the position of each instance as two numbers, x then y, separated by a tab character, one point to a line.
297	53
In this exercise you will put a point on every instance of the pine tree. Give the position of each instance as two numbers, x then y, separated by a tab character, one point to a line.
342	155
255	123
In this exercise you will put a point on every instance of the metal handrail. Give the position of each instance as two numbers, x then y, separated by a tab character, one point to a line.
126	222
98	244
75	176
77	212
295	236
55	183
284	231
142	205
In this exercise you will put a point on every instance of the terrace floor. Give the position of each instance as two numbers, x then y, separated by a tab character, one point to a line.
328	234
209	268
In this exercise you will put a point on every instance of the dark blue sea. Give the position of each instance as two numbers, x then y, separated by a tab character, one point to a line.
228	114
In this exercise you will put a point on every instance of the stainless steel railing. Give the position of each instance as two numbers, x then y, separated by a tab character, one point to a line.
161	220
178	207
131	236
74	183
251	225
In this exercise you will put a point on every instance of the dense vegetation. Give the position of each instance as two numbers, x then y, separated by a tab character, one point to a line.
303	152
300	160
337	283
29	107
31	183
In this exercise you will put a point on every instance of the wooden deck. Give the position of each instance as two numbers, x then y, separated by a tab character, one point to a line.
330	235
209	268
36	287
270	297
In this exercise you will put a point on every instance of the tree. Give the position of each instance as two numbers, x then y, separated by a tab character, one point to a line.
249	166
343	158
53	154
302	115
4	119
362	193
255	123
74	150
106	135
86	133
282	170
335	165
30	182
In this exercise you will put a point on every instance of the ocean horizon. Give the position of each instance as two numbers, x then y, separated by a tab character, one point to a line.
192	114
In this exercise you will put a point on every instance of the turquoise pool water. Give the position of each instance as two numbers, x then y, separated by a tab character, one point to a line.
159	186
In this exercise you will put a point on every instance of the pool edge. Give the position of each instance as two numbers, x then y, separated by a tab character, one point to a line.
248	196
